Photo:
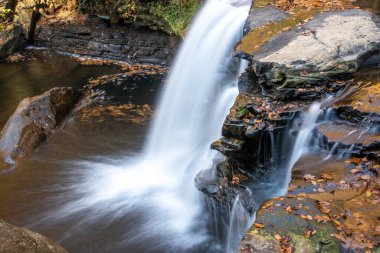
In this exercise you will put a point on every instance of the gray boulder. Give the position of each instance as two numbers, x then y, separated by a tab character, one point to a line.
331	44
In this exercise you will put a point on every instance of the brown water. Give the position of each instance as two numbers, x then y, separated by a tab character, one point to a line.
35	193
371	5
42	72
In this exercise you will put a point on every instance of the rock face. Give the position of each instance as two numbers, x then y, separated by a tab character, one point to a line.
297	58
11	40
93	37
308	47
25	15
331	44
19	32
14	240
34	119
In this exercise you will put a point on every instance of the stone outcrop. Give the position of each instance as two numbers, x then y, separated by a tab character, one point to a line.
34	120
308	45
64	29
11	40
94	37
297	58
25	15
19	31
15	240
331	44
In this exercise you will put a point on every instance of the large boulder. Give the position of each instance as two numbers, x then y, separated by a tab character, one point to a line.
34	119
327	45
14	240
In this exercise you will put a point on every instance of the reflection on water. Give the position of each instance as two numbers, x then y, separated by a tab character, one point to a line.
43	72
371	5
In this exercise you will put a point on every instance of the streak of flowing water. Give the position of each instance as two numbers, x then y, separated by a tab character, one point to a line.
199	92
301	144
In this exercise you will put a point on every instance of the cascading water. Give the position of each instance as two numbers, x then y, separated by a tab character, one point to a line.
301	144
160	181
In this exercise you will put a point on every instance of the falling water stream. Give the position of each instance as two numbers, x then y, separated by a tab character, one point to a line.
147	202
159	181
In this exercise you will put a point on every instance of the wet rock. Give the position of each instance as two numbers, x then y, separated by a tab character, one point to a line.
331	206
11	40
254	242
14	240
34	120
91	36
345	138
261	16
336	42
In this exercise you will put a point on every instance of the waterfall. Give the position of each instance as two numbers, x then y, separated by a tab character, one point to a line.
302	141
200	90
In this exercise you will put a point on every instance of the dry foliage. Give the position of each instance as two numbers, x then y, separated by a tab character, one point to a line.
291	5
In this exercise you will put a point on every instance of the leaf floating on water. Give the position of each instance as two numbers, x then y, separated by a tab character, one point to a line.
306	217
309	177
322	219
326	177
267	205
355	171
259	225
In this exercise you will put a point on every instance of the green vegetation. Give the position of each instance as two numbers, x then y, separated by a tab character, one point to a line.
177	13
242	112
4	17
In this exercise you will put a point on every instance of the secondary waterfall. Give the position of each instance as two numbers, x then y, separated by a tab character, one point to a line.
200	90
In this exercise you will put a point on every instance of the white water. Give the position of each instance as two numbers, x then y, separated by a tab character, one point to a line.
193	106
301	145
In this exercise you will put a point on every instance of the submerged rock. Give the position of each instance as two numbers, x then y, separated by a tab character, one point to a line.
34	120
15	240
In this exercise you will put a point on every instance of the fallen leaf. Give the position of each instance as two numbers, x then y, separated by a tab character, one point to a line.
259	225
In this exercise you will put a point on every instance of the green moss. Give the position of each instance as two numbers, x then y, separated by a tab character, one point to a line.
302	244
177	13
4	17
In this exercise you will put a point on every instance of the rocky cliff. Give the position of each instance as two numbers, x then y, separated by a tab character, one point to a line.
299	53
146	31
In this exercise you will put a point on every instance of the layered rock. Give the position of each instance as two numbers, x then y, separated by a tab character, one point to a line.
11	40
94	37
14	239
299	56
34	120
19	31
